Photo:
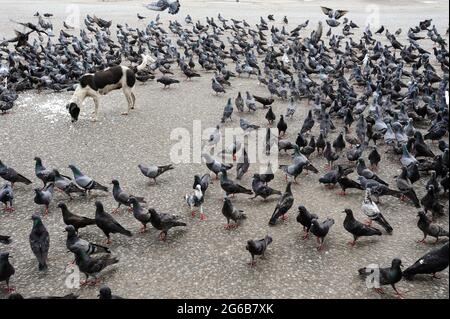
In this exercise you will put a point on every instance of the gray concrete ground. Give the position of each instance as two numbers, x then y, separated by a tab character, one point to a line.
202	260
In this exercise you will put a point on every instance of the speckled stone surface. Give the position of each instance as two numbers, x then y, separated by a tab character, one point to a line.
202	260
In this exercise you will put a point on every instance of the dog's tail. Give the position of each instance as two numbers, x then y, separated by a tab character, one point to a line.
145	60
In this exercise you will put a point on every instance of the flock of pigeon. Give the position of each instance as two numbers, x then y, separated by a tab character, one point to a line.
384	91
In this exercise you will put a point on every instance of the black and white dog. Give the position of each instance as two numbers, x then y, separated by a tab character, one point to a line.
101	83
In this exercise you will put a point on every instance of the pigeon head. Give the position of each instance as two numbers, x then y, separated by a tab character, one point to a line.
105	293
348	211
115	182
99	205
74	111
396	263
62	206
421	214
4	256
36	219
38	159
302	208
70	229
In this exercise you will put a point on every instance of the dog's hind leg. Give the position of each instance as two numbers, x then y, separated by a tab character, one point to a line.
127	93
134	99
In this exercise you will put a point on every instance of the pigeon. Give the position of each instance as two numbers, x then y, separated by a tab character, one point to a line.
270	116
44	196
282	127
217	87
123	198
374	158
362	170
356	228
140	214
161	5
85	182
39	242
331	178
250	102
243	165
6	270
231	212
239	102
284	204
202	181
291	108
432	262
214	165
372	211
330	155
264	101
105	293
430	229
7	196
45	175
378	190
420	148
6	240
164	222
107	223
258	248
214	138
246	125
89	248
66	185
231	187
386	276
10	175
166	81
91	266
308	123
196	200
346	183
260	188
320	230
153	171
405	186
227	111
305	218
76	221
430	202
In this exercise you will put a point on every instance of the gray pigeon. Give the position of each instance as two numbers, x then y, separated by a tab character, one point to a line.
7	196
153	171
215	166
86	182
89	248
44	196
231	212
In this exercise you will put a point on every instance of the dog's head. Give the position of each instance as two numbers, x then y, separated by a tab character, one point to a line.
74	111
